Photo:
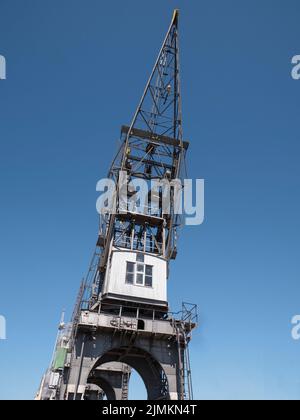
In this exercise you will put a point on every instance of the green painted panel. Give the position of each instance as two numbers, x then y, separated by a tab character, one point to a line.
60	357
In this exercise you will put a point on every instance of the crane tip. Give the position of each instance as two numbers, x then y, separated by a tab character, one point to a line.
175	14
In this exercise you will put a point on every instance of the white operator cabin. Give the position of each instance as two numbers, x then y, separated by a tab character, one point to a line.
136	277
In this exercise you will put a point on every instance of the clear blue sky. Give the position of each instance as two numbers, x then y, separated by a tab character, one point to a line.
75	72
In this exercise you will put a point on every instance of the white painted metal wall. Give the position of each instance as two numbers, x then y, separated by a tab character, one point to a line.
116	276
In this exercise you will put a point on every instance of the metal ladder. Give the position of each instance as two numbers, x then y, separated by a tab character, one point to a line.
186	386
125	383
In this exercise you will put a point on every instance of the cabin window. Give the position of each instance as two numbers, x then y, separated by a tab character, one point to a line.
139	273
148	275
130	270
140	257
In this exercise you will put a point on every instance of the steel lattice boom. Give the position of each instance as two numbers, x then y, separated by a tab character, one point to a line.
152	148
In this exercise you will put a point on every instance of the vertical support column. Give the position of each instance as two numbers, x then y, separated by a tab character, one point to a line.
164	241
80	367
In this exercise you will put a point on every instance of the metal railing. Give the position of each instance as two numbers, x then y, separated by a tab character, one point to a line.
152	210
187	315
138	244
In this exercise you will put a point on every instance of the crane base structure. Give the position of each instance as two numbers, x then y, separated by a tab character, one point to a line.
156	348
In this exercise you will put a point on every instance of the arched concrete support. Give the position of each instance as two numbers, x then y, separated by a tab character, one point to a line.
107	388
154	357
110	377
94	392
148	368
